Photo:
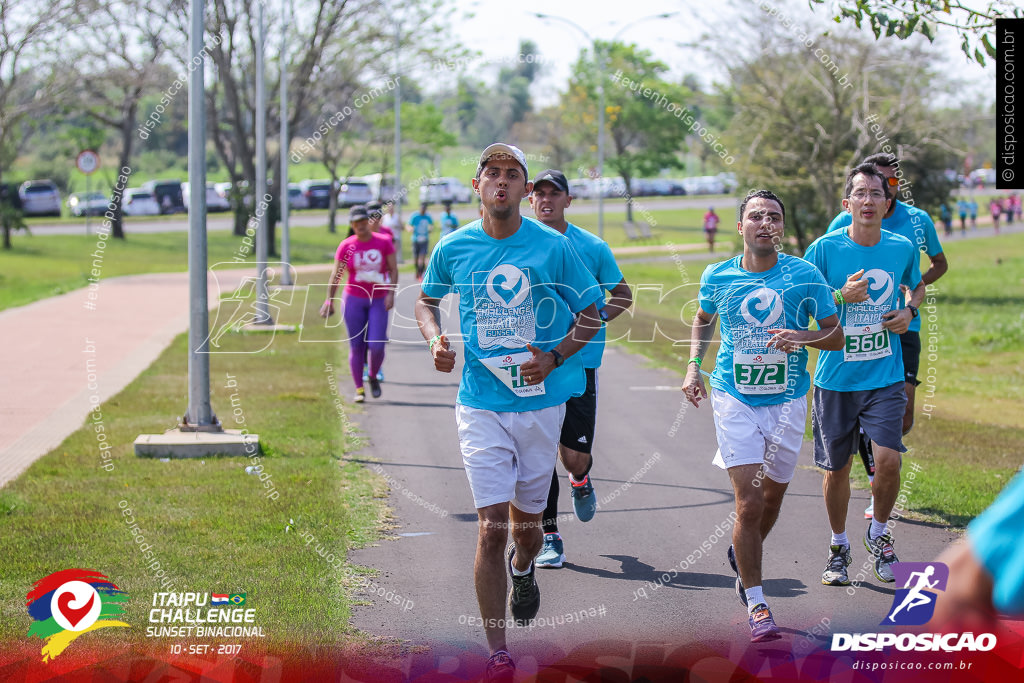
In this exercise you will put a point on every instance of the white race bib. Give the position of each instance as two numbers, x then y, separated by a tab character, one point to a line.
866	342
761	372
507	369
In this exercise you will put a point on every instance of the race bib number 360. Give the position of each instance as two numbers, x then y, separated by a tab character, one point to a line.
866	342
760	372
508	369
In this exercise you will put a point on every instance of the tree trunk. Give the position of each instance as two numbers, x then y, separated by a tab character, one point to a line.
332	208
127	138
7	237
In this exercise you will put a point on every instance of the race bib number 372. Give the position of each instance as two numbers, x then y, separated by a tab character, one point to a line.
760	372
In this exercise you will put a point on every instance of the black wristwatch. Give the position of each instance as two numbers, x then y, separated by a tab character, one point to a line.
913	311
558	358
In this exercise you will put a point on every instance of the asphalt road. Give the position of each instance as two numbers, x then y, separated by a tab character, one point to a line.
663	506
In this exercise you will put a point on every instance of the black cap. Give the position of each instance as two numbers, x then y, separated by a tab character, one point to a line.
374	208
556	178
357	213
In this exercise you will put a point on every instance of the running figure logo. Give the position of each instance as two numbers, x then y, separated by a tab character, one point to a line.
914	604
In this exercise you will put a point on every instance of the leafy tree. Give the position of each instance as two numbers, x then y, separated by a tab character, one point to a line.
120	64
801	126
643	112
974	22
27	83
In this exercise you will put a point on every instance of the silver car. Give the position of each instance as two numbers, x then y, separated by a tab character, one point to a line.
39	198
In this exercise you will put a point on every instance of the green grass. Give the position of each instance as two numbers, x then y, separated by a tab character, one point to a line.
967	437
210	524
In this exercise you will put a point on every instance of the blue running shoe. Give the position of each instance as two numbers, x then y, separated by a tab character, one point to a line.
552	555
584	502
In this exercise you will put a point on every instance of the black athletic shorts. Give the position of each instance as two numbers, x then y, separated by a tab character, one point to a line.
910	342
581	417
420	249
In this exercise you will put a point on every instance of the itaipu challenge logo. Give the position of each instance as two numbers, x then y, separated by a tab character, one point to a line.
68	603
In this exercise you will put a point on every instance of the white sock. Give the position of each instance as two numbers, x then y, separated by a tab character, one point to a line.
877	528
516	572
755	596
840	538
573	480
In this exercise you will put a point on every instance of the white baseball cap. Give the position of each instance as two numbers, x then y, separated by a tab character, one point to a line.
508	150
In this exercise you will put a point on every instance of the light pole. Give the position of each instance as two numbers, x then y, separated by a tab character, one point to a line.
262	297
599	54
396	190
286	274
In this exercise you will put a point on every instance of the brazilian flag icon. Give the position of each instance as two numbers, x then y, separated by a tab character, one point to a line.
237	598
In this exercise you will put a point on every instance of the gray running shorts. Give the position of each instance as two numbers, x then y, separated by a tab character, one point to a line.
836	416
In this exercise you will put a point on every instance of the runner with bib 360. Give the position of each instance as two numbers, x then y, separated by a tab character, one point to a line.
519	284
765	301
863	383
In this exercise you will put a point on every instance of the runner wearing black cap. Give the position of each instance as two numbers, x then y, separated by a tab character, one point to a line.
550	199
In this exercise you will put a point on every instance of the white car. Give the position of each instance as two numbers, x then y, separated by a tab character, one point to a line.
215	200
139	202
354	192
441	190
296	200
39	198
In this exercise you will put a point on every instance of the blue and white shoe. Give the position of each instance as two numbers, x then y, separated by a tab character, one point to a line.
584	502
552	554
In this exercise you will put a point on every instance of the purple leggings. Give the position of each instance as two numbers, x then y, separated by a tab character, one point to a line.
367	323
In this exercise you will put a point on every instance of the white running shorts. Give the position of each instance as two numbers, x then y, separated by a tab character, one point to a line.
755	435
509	457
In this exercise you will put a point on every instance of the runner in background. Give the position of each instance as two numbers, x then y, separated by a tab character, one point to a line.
369	259
710	227
419	225
549	200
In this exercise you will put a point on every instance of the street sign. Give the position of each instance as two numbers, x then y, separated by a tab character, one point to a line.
88	162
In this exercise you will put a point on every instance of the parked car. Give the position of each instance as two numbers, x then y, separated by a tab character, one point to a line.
441	190
215	201
87	204
139	202
296	200
354	192
167	194
317	193
39	198
581	188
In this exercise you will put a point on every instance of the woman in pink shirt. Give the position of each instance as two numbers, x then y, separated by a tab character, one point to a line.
369	258
995	208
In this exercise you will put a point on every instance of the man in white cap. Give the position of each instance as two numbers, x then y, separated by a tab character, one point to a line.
519	285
